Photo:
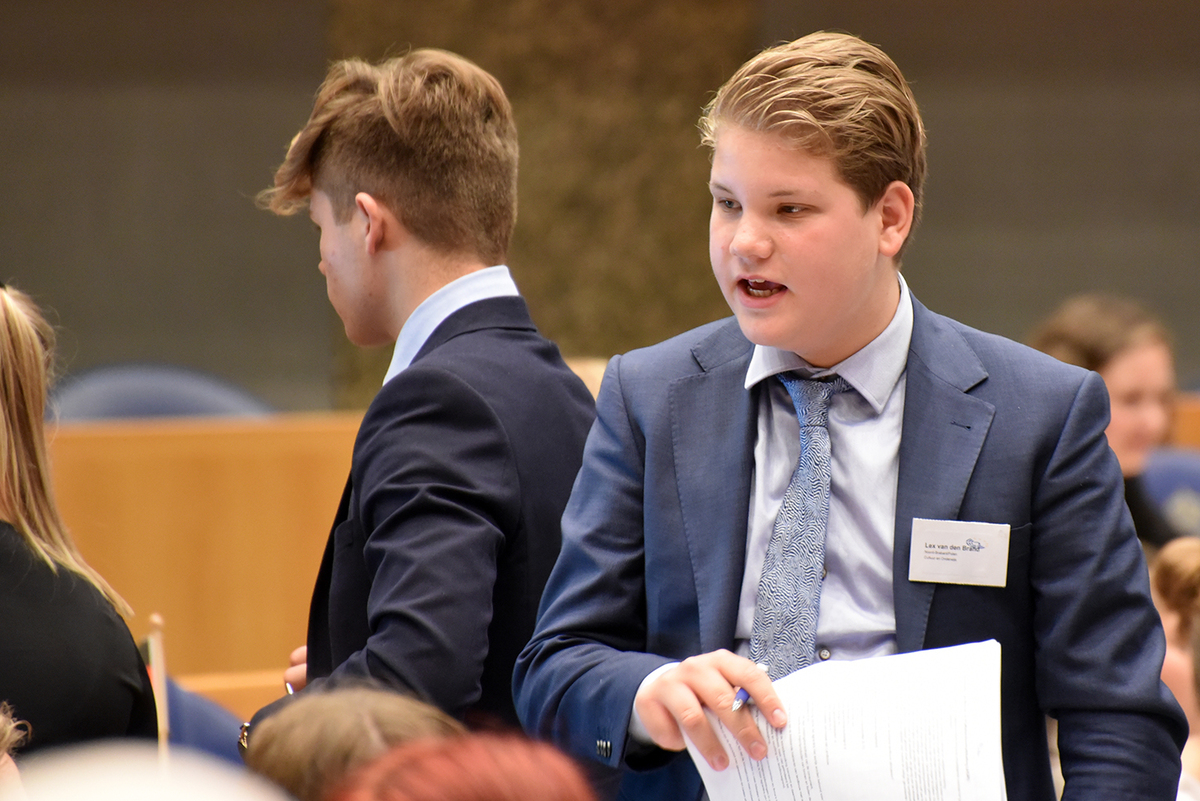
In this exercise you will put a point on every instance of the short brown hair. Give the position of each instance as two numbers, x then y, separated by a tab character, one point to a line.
429	134
313	743
1089	330
835	96
1175	578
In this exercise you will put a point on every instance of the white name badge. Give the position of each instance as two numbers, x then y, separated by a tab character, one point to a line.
959	552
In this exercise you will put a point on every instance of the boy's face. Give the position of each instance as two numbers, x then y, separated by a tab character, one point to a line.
354	285
799	262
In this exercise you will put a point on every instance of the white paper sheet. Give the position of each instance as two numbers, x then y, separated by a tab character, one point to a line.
923	726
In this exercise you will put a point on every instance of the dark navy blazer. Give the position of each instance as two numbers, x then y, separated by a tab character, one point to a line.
449	524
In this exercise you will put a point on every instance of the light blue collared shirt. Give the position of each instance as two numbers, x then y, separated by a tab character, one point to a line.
492	282
857	615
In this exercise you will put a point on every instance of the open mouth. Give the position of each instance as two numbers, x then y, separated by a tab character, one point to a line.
760	289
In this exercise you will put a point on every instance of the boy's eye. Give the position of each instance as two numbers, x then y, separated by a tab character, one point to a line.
726	204
790	209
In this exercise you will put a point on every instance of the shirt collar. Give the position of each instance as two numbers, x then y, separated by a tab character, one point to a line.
491	282
873	371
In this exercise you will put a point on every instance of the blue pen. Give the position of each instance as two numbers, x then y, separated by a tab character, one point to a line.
741	697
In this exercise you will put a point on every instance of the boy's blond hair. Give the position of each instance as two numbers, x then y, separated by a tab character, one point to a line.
428	134
835	96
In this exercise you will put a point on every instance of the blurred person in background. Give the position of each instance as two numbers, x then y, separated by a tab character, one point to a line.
68	665
1131	350
311	745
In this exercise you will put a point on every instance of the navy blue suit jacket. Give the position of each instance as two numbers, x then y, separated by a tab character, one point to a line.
654	542
449	524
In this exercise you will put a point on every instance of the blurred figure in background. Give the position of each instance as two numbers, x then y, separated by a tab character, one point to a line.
1175	585
1131	350
475	767
12	734
311	745
68	664
133	771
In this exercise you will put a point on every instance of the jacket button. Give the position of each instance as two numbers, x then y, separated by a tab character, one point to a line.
824	654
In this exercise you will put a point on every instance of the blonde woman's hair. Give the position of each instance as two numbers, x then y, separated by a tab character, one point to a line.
26	492
13	732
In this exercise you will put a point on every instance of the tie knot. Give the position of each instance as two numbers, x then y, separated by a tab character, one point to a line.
811	396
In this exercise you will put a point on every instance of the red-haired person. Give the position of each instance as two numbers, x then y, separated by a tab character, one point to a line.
477	767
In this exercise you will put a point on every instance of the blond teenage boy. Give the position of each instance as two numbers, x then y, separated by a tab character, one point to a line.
669	578
463	463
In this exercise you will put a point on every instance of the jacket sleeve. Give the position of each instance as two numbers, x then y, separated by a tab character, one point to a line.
576	680
1100	643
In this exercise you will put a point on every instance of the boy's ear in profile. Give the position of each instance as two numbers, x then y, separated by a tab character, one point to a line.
896	208
383	228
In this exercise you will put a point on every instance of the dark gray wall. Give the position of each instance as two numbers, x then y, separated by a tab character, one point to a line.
134	136
1065	156
1064	151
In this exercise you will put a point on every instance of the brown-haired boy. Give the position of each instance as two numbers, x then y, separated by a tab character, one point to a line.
449	522
692	549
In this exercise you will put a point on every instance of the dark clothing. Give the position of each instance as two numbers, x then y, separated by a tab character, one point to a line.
449	524
68	664
1152	528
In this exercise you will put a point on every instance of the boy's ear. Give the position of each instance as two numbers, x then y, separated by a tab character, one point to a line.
896	213
382	225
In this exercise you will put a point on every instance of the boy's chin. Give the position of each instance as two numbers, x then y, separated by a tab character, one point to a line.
759	332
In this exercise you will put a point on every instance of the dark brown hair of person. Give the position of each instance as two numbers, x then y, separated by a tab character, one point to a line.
1089	330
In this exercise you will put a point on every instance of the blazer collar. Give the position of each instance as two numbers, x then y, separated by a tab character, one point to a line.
503	312
943	433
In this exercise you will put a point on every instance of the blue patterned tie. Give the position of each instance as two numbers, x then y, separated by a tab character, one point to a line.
789	590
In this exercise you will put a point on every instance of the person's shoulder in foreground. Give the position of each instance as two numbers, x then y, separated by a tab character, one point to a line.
464	460
817	174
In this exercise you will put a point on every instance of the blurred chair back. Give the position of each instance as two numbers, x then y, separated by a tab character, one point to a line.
149	390
1172	480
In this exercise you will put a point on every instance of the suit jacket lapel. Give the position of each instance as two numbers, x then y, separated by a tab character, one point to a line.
943	432
713	433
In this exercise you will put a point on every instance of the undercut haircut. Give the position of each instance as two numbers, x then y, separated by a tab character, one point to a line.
429	134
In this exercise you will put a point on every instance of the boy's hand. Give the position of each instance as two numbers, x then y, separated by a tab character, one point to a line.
674	703
297	674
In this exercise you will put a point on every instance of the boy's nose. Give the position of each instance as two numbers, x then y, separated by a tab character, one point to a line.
749	242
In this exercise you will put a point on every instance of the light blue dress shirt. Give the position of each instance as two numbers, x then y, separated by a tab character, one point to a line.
491	282
857	616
